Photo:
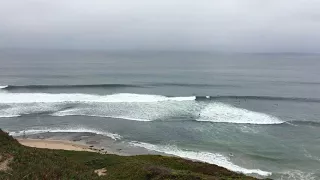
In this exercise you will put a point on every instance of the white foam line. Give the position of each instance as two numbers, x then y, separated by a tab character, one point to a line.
212	158
219	112
75	130
115	117
7	98
3	87
9	116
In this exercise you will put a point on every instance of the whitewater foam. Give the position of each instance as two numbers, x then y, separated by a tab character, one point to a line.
7	98
9	116
219	112
135	107
3	87
66	130
138	111
212	158
73	113
21	109
297	175
132	111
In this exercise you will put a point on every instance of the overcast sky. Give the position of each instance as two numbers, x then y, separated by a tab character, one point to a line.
218	25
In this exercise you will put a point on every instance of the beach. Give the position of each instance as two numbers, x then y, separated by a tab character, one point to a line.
82	141
55	144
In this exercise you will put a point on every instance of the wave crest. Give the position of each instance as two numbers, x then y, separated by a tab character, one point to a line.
3	87
139	107
7	98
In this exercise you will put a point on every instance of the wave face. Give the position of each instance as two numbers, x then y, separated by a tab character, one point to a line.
67	130
212	158
139	107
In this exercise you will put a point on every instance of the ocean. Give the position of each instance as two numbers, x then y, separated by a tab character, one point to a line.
257	114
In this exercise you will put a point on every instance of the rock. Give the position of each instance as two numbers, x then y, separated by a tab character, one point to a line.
92	142
101	172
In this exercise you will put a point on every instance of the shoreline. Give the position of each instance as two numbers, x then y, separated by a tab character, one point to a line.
82	141
18	161
69	145
91	142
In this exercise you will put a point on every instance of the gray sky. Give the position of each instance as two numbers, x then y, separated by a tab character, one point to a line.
219	25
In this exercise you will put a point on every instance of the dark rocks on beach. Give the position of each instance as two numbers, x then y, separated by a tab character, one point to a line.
76	139
92	142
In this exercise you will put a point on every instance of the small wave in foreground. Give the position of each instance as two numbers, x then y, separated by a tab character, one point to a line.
212	158
67	130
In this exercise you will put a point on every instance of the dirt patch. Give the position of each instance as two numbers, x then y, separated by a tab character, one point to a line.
101	172
4	164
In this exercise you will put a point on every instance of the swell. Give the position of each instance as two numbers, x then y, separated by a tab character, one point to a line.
191	85
147	85
304	123
106	86
42	87
11	98
268	98
139	107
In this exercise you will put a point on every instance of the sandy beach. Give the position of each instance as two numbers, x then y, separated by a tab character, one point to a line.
81	141
55	144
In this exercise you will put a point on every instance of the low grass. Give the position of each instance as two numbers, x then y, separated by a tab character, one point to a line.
33	163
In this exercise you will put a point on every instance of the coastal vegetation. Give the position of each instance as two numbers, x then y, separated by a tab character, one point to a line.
18	162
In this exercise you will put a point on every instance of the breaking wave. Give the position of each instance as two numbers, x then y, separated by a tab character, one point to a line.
212	158
138	107
3	87
108	86
7	98
219	112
